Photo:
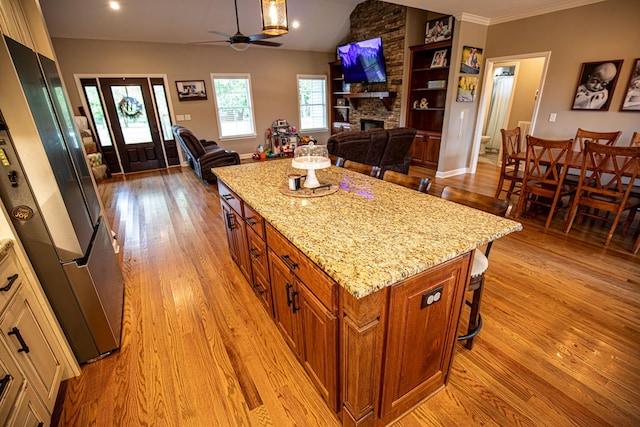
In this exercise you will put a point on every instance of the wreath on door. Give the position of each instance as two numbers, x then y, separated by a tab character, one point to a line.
130	107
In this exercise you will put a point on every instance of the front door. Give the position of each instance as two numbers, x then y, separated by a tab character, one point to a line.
135	130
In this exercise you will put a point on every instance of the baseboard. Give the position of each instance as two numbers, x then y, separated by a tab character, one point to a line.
449	174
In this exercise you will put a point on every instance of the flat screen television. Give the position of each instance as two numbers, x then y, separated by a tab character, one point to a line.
363	62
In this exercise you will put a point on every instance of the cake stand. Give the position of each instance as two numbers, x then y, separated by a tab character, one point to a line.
311	157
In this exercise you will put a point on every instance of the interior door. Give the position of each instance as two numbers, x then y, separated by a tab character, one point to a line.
130	107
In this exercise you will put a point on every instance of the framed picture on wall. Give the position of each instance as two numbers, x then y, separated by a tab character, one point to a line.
631	100
467	87
438	30
595	86
471	59
189	90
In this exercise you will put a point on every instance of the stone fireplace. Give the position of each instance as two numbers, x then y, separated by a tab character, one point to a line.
370	19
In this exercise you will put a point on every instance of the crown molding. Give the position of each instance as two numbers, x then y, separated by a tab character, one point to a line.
542	10
475	19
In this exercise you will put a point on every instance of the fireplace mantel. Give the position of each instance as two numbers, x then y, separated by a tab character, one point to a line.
387	98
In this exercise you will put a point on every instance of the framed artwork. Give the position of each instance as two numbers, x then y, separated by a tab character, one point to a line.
190	90
467	87
439	59
438	30
471	60
595	86
631	101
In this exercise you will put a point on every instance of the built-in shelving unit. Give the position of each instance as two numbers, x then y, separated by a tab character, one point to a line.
340	103
426	100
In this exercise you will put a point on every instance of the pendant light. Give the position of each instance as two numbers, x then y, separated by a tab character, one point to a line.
274	17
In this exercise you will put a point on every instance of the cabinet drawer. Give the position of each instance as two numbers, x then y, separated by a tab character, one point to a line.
21	329
313	277
230	197
258	254
254	220
11	382
10	279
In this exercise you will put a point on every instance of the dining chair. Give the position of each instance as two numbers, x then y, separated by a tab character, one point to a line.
361	168
494	206
603	185
336	161
582	136
635	139
510	168
544	172
415	183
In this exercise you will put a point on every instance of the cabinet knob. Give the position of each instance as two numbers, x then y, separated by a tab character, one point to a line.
254	253
292	265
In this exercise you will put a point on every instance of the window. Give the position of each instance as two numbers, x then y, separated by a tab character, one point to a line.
234	105
163	110
312	99
97	112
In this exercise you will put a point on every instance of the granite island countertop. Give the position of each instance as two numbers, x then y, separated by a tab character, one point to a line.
370	233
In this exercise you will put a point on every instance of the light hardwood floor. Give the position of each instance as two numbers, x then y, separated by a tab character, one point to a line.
559	344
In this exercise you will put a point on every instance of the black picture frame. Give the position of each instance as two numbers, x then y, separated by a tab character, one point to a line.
191	90
596	83
631	99
439	29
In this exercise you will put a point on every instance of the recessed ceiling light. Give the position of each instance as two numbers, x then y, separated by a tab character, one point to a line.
114	5
295	24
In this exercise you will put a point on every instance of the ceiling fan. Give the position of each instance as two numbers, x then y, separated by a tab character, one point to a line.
239	41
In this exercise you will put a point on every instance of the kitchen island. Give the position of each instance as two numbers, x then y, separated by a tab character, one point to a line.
366	284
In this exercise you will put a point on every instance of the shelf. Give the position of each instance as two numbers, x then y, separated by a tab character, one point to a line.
341	93
431	69
428	109
387	98
424	89
341	106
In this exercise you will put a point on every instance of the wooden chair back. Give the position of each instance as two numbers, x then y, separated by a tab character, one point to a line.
635	139
415	183
488	204
511	144
510	168
605	138
604	177
361	168
544	173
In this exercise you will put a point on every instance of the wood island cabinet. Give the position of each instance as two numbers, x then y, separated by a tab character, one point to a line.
371	358
236	229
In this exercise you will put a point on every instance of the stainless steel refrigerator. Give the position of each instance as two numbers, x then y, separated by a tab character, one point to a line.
47	191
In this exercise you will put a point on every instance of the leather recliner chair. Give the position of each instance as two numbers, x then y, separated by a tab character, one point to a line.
203	155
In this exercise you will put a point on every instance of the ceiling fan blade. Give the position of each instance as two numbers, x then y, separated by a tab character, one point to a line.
210	41
225	35
266	43
260	37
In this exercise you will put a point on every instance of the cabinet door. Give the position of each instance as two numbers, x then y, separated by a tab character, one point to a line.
27	339
284	289
417	149
423	318
319	328
432	151
28	411
236	236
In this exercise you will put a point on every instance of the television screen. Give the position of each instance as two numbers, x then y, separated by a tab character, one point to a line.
363	62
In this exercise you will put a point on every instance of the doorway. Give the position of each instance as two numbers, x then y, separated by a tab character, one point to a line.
131	120
510	97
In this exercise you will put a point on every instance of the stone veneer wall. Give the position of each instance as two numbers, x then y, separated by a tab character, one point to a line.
370	19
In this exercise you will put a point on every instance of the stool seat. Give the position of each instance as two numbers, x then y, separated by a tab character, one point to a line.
480	264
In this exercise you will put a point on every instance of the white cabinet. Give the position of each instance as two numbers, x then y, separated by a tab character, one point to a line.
13	22
31	362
